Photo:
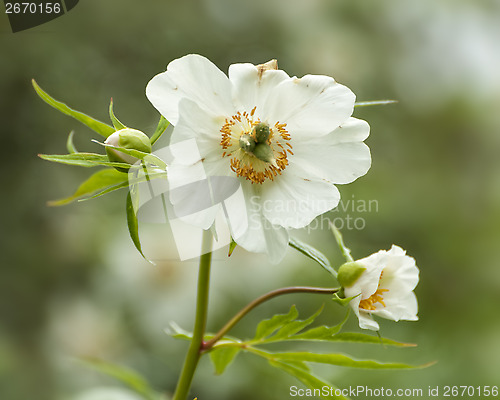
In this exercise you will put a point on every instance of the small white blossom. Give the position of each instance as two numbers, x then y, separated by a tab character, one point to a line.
287	140
384	288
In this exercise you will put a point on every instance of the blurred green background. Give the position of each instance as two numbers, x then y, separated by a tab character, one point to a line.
71	282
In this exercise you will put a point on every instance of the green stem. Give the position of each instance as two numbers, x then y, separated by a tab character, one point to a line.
194	352
259	300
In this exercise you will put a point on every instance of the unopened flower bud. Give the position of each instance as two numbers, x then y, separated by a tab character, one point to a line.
261	132
129	139
247	143
349	273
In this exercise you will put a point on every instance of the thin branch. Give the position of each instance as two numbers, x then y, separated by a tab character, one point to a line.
259	300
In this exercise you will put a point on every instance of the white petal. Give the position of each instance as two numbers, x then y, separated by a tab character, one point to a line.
400	273
396	251
292	201
251	88
366	321
202	126
367	283
353	130
193	77
261	236
399	308
311	106
339	157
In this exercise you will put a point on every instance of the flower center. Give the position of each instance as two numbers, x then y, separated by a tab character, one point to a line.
257	151
377	297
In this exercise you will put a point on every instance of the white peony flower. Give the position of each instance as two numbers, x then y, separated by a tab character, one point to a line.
383	284
287	141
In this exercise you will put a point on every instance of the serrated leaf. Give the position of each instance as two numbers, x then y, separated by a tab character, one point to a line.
130	378
96	182
87	160
356	337
341	360
141	155
160	129
320	333
292	327
70	145
221	357
100	127
133	226
308	379
269	326
374	103
116	123
313	254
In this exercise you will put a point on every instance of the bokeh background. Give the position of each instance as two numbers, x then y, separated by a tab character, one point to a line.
71	282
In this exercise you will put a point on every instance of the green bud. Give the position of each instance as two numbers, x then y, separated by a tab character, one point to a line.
129	139
349	273
264	152
247	143
262	132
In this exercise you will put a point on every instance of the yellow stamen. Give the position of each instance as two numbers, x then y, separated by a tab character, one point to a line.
377	297
246	164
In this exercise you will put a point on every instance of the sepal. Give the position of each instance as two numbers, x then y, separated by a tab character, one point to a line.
349	273
100	127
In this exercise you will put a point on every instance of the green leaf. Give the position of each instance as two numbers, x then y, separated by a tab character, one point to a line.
130	378
133	226
96	182
160	129
221	357
70	145
100	127
339	360
269	326
83	160
355	337
177	332
116	123
323	389
107	190
141	155
313	254
131	181
292	327
374	103
321	333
